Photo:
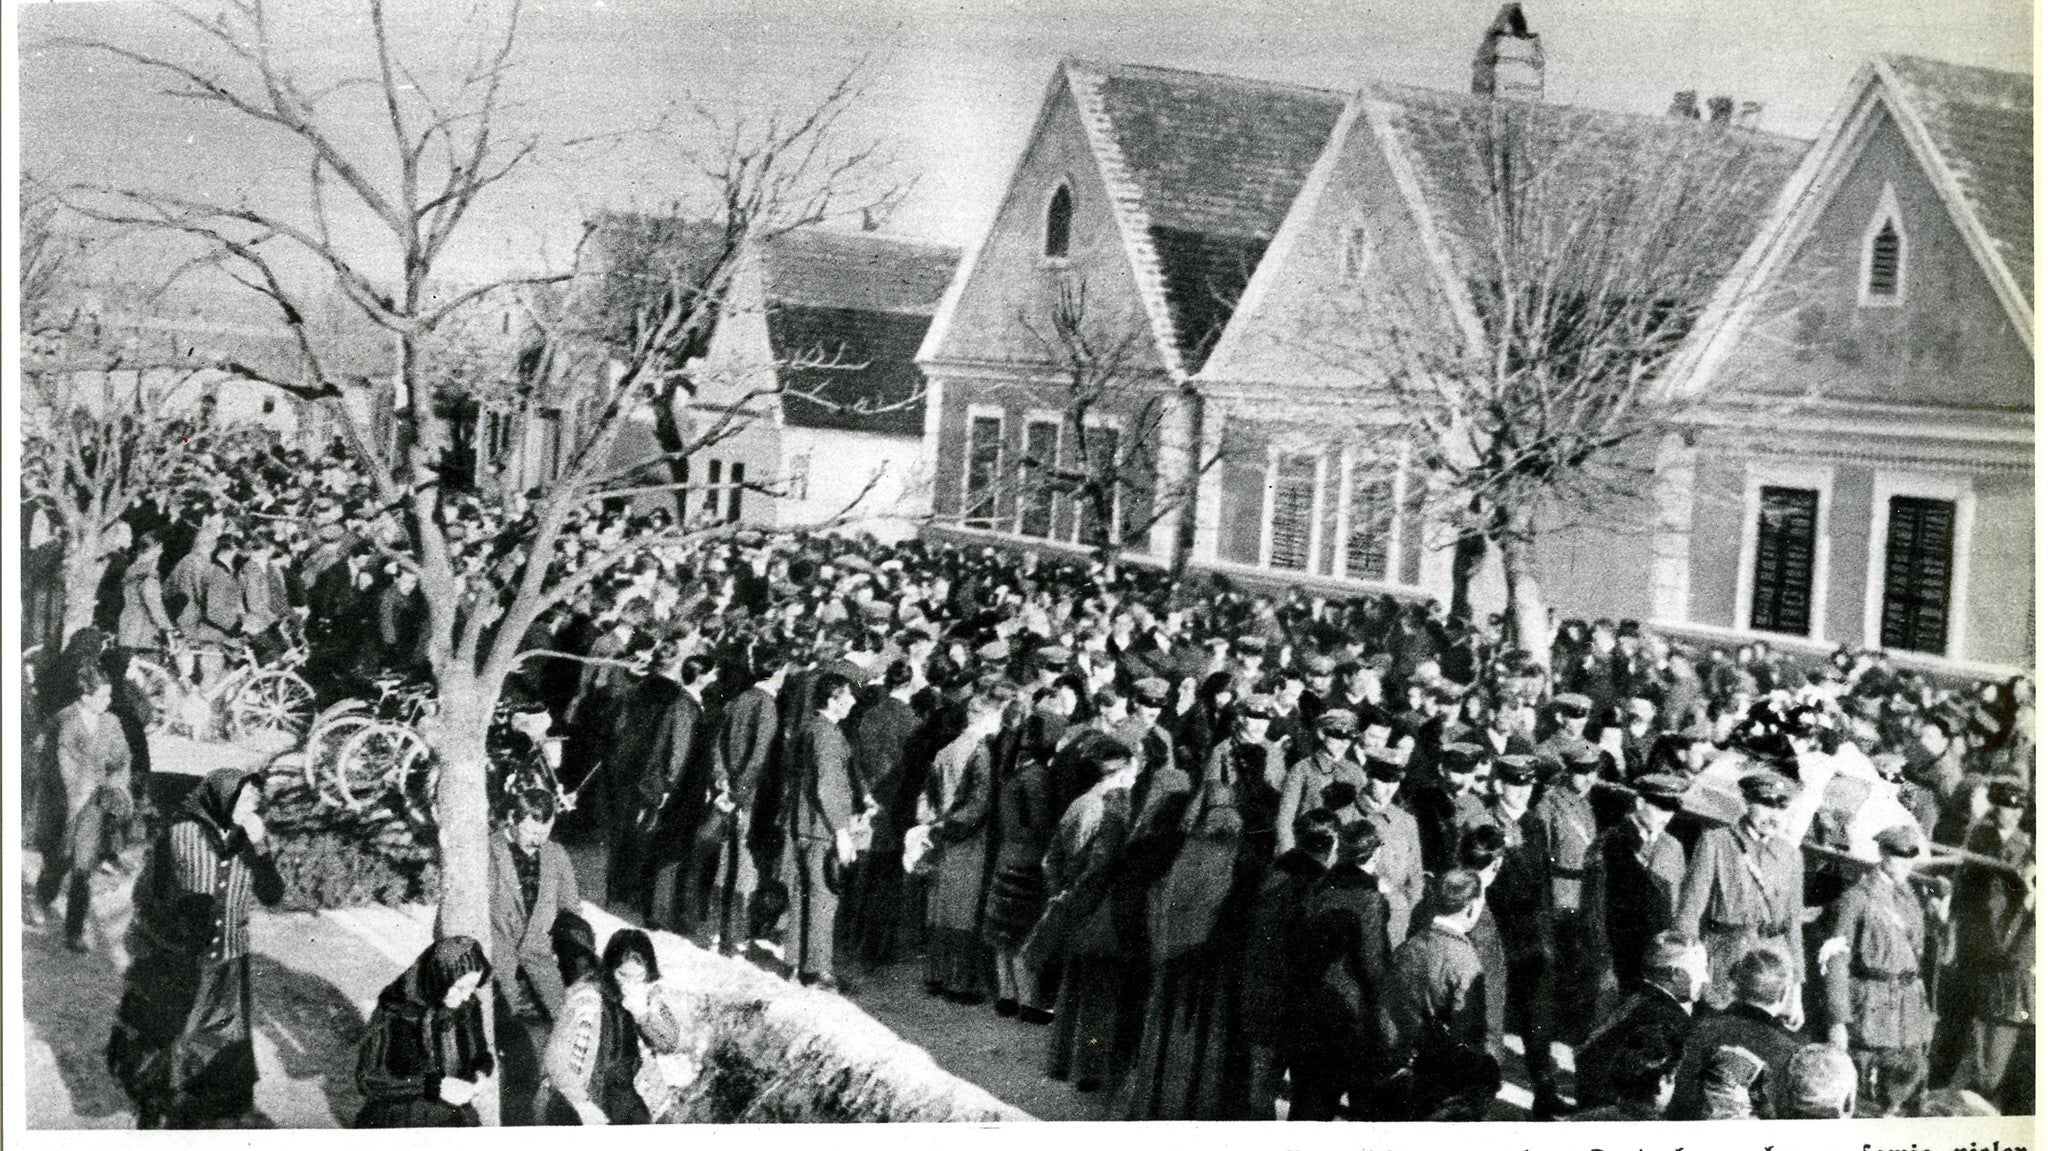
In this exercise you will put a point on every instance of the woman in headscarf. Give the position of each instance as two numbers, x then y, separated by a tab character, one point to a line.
182	1045
959	796
1078	930
425	1054
593	1057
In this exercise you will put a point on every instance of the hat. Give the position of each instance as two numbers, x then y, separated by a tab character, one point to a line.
1250	645
1319	664
1767	788
1817	1080
1341	723
1460	757
1338	794
1902	841
1515	769
1386	763
1573	704
1258	707
1661	789
1581	756
879	610
994	651
1150	691
1051	656
2007	793
1356	841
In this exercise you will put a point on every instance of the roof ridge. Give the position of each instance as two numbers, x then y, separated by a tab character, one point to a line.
1938	62
1127	204
1130	67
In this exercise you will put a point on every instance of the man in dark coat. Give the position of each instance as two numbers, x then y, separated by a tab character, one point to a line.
882	744
1765	993
1433	1012
1444	804
1659	1008
1344	960
821	799
1633	875
675	787
1270	998
746	740
531	883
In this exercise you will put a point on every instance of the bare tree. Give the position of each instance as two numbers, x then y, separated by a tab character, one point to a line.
1107	469
1590	249
488	566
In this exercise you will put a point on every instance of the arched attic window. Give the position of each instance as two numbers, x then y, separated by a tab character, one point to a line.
1883	281
1059	223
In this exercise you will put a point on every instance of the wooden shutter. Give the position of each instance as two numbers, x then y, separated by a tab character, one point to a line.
1372	523
1035	478
1918	557
1294	498
1106	482
984	456
1884	261
1783	592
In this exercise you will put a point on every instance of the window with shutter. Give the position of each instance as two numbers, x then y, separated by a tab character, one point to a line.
1244	497
1105	486
984	459
1782	599
1294	499
1035	478
1918	557
1884	261
1059	223
1369	535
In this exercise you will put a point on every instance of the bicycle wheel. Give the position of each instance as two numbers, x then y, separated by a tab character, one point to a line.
376	760
160	688
273	702
323	751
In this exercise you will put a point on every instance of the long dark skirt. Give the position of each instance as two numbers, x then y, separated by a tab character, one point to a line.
416	1111
957	962
1094	1023
1192	1061
182	1046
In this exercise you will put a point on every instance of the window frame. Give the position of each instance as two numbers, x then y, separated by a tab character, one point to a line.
1116	495
1035	418
1818	478
1887	212
1321	479
974	413
1340	555
1046	256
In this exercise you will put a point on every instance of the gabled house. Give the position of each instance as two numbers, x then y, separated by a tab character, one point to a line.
1214	218
809	374
1862	470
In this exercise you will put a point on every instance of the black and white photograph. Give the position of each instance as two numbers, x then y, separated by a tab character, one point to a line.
1393	562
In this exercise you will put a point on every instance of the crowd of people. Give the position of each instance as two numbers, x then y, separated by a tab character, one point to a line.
1227	847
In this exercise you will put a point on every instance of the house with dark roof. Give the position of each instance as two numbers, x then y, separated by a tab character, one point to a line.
1861	469
1216	217
809	374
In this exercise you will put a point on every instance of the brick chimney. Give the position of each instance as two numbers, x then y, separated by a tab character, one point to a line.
1685	105
1720	109
1749	115
1509	63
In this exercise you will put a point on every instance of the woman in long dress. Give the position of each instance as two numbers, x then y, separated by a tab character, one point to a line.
182	1046
1078	931
959	795
424	1055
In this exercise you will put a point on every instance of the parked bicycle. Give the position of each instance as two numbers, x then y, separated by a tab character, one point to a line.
358	751
250	698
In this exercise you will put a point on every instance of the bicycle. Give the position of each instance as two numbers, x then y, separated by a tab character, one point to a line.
358	750
250	698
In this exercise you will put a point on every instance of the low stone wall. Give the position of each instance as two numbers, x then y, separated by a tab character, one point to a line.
775	1052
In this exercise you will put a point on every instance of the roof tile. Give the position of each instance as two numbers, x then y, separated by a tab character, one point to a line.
1981	121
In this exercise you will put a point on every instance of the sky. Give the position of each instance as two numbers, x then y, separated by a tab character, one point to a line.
952	85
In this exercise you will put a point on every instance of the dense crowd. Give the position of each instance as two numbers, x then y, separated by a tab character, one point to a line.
1227	847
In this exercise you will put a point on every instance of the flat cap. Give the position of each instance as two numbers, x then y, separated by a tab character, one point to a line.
1339	722
1356	841
1460	757
1579	755
1259	706
1662	789
1572	703
1767	788
1150	691
1386	763
1250	644
1902	841
1515	768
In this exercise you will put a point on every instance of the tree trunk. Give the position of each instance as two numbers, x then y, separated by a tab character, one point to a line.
1528	612
1190	491
671	437
462	810
85	564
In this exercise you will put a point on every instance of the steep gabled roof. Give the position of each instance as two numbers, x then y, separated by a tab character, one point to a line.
1202	170
1978	123
859	270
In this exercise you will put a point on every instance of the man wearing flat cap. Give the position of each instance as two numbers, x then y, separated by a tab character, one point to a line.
1569	714
1148	703
1329	763
1400	859
1445	804
1633	876
1877	1005
1745	887
1318	688
1564	821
